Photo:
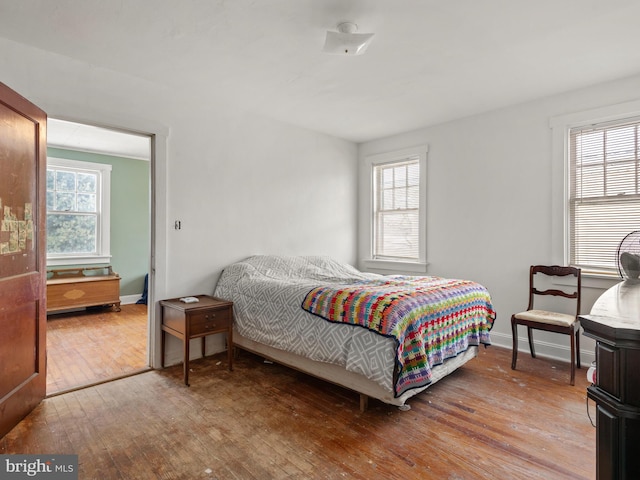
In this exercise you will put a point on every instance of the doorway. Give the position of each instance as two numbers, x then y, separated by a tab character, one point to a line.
95	345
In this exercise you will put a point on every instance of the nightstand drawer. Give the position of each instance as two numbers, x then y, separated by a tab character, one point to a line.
209	321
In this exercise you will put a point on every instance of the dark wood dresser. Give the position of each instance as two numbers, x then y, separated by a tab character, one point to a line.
614	323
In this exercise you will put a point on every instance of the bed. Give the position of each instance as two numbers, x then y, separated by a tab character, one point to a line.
385	337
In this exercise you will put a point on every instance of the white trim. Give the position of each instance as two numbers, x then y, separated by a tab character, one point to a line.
596	115
397	155
130	299
375	264
367	198
57	261
544	349
79	164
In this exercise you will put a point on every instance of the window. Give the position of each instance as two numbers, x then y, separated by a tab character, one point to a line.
77	212
397	210
604	196
594	195
398	207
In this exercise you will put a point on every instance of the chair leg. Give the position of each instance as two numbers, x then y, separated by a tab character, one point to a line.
531	347
578	346
573	359
514	350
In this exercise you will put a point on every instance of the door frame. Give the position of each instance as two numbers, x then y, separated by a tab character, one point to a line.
158	135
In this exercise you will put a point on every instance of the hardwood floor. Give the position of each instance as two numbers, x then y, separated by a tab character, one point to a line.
89	347
265	421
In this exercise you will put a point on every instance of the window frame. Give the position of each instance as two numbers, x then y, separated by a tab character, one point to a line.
389	158
561	128
103	203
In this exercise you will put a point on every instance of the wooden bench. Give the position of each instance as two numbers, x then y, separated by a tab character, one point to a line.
69	288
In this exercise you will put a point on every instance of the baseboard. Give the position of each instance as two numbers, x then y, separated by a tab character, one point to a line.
130	299
543	349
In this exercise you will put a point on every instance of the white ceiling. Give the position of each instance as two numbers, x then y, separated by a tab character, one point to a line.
430	60
88	138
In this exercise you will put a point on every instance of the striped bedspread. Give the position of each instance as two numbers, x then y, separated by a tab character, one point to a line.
430	318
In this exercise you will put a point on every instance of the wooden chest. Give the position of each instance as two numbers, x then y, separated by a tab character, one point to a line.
70	288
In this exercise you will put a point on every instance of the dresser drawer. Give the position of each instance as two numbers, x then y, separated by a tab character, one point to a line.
209	321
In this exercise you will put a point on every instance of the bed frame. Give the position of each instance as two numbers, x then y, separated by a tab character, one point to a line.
353	381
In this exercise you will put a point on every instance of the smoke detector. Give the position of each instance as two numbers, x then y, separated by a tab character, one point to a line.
346	41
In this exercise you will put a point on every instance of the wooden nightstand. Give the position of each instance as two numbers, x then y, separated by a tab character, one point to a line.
193	320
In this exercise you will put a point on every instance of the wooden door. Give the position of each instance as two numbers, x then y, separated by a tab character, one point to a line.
22	257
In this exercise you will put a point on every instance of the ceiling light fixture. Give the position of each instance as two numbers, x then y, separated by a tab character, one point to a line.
346	41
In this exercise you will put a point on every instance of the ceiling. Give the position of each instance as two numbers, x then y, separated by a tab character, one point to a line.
430	61
89	138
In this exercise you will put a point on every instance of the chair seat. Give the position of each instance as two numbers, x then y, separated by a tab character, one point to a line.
549	318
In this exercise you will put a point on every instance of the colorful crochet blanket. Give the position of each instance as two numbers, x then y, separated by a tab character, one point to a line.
430	318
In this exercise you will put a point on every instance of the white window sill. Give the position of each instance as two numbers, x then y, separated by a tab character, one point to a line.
590	280
393	266
61	261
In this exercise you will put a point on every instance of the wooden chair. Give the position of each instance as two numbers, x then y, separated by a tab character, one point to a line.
550	321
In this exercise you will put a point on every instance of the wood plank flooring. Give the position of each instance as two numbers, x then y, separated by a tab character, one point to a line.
264	421
96	345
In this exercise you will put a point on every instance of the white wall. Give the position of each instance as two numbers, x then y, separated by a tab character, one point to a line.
489	201
254	186
239	184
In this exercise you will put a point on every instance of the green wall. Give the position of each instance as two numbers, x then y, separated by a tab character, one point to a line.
130	215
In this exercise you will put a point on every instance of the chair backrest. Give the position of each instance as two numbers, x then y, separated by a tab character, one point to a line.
555	271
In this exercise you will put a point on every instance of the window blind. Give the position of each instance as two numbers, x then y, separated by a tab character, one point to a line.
604	196
397	210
